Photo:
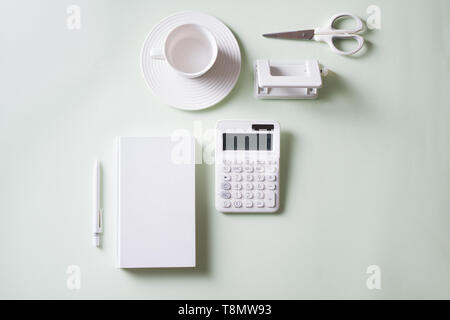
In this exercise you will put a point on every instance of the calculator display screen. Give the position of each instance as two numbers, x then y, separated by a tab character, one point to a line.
247	142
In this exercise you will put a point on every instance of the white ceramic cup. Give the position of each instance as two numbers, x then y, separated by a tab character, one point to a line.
189	49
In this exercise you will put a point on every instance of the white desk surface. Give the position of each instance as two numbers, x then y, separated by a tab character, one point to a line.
365	169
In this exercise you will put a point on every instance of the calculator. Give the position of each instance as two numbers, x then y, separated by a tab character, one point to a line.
247	166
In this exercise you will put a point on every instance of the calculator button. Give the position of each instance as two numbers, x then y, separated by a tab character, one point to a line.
238	161
249	177
260	195
226	204
249	186
260	161
237	204
226	177
226	169
238	195
237	169
270	199
248	203
272	169
248	161
225	195
226	186
260	186
260	178
226	162
237	186
237	177
248	195
271	186
248	169
260	204
259	169
271	178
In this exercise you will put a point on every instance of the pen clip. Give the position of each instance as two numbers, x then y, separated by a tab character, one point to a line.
100	218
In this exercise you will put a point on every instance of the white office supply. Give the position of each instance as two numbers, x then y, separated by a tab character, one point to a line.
156	202
288	79
97	212
328	34
198	93
247	166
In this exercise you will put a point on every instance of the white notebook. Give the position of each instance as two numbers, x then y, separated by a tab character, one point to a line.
156	203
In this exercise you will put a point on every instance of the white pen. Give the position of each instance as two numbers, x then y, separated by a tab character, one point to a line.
97	211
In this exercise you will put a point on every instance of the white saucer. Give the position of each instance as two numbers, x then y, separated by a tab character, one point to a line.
198	93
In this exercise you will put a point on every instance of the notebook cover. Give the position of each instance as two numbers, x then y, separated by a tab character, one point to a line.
156	202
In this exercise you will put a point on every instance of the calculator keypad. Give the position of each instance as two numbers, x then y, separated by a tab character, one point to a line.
249	184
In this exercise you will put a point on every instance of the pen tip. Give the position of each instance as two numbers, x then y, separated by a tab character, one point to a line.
96	241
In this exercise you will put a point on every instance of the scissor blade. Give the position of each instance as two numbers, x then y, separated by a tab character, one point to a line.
301	34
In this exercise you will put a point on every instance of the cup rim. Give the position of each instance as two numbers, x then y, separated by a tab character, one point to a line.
212	41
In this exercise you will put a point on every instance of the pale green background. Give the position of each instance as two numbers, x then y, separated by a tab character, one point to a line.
365	169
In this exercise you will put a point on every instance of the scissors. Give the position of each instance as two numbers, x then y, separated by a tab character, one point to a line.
327	34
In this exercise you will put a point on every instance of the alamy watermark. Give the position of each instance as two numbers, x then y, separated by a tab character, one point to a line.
373	21
205	141
73	281
73	20
373	282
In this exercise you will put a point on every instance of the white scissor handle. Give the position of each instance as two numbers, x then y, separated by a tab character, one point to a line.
328	33
329	40
328	29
